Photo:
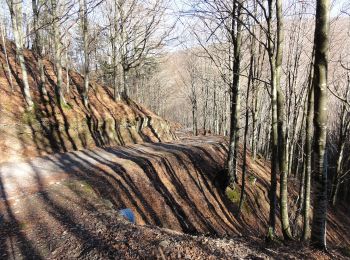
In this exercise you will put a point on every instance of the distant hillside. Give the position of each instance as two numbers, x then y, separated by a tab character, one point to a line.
51	128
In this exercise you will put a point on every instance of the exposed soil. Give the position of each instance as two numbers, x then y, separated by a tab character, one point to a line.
67	207
89	227
52	128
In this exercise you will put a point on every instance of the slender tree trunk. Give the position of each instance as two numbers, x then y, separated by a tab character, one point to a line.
38	48
274	132
321	43
114	74
67	62
194	117
254	120
57	52
236	36
123	52
205	109
308	158
282	151
115	65
336	181
244	164
84	25
274	158
16	18
8	70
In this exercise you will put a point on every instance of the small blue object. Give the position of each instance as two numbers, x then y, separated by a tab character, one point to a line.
128	214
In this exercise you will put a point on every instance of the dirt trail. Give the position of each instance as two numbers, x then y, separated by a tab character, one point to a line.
168	185
66	205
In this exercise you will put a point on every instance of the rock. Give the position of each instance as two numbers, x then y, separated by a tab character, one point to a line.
164	243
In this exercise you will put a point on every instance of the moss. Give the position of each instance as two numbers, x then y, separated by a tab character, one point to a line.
27	117
31	116
80	186
67	106
252	179
22	226
234	195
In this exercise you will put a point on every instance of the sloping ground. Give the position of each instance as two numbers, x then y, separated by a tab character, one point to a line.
51	128
65	206
89	227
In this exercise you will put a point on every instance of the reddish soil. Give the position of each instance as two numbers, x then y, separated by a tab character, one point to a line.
51	128
67	207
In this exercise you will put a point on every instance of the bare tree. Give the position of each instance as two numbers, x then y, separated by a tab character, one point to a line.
15	8
38	45
84	29
8	69
56	38
321	45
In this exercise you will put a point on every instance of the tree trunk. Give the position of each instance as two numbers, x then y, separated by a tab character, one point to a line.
307	159
194	117
16	19
245	137
58	52
235	95
254	121
67	62
321	44
84	25
38	48
282	151
274	133
8	70
336	181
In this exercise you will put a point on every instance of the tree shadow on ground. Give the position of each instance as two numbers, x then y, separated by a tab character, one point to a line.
167	178
10	229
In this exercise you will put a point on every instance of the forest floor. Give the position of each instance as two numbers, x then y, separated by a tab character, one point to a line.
66	206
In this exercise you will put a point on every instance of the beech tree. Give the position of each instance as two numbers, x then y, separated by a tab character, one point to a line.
57	45
84	29
3	41
15	8
321	45
38	45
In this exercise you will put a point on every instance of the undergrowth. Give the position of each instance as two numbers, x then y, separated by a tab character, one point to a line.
31	115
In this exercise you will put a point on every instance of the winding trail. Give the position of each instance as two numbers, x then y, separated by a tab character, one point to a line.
65	206
20	178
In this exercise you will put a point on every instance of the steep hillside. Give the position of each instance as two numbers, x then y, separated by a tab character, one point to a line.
51	128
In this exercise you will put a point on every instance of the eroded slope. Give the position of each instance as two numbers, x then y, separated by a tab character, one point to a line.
51	128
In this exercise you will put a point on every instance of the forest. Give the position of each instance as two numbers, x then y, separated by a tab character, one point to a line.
175	129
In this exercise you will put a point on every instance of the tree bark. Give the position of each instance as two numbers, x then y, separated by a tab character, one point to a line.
282	151
245	137
84	25
307	160
9	74
274	130
38	48
321	45
16	19
340	155
236	37
57	53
